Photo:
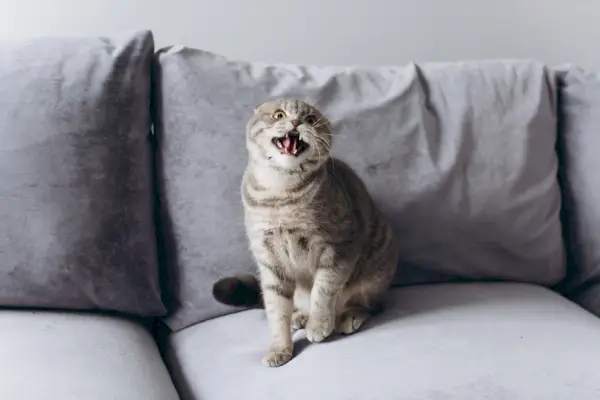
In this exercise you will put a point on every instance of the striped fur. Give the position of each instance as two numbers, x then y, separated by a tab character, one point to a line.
325	254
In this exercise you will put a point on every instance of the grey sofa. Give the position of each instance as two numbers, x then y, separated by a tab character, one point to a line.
119	207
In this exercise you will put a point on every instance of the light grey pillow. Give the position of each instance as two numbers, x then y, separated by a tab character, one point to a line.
459	156
579	155
76	189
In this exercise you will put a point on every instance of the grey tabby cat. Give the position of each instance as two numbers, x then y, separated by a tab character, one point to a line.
325	254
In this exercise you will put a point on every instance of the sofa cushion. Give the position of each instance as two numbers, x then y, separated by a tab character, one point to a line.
446	341
76	192
460	156
51	355
579	156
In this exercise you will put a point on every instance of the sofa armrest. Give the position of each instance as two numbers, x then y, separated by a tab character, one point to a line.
578	148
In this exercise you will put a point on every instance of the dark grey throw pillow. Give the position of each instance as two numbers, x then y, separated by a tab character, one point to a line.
76	189
459	156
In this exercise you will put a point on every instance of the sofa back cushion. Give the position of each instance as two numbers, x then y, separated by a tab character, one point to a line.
459	156
579	156
76	191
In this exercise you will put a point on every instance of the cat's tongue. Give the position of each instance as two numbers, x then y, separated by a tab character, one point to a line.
289	143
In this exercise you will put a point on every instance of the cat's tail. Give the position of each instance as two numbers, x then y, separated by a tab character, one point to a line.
238	291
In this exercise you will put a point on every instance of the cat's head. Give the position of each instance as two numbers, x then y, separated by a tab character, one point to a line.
289	134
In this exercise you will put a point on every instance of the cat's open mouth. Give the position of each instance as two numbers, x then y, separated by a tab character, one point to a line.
290	144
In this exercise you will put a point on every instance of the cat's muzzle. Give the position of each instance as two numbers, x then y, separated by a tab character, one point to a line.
290	144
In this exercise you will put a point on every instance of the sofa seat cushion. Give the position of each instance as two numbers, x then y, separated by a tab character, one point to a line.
47	355
447	341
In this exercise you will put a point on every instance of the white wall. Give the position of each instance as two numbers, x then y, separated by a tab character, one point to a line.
321	31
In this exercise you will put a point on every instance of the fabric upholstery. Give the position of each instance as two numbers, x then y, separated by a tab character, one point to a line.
447	341
70	356
579	155
460	157
76	191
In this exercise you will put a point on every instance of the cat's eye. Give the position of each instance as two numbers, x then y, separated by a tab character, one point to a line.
310	119
277	115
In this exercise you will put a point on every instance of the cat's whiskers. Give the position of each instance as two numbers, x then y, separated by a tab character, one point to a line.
315	144
325	144
320	139
321	125
317	121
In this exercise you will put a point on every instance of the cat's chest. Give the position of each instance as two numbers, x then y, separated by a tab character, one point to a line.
291	239
291	245
284	220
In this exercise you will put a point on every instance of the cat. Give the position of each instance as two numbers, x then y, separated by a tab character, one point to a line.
326	255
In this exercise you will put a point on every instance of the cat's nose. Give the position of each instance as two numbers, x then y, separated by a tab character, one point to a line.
295	123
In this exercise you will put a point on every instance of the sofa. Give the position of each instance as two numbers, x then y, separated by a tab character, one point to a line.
120	169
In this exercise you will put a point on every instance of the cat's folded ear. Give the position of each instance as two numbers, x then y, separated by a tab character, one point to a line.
258	107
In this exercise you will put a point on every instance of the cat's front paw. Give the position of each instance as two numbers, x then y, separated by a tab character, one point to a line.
319	328
299	320
277	356
351	321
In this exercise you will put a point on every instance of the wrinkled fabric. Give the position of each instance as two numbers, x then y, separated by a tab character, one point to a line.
76	189
459	156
